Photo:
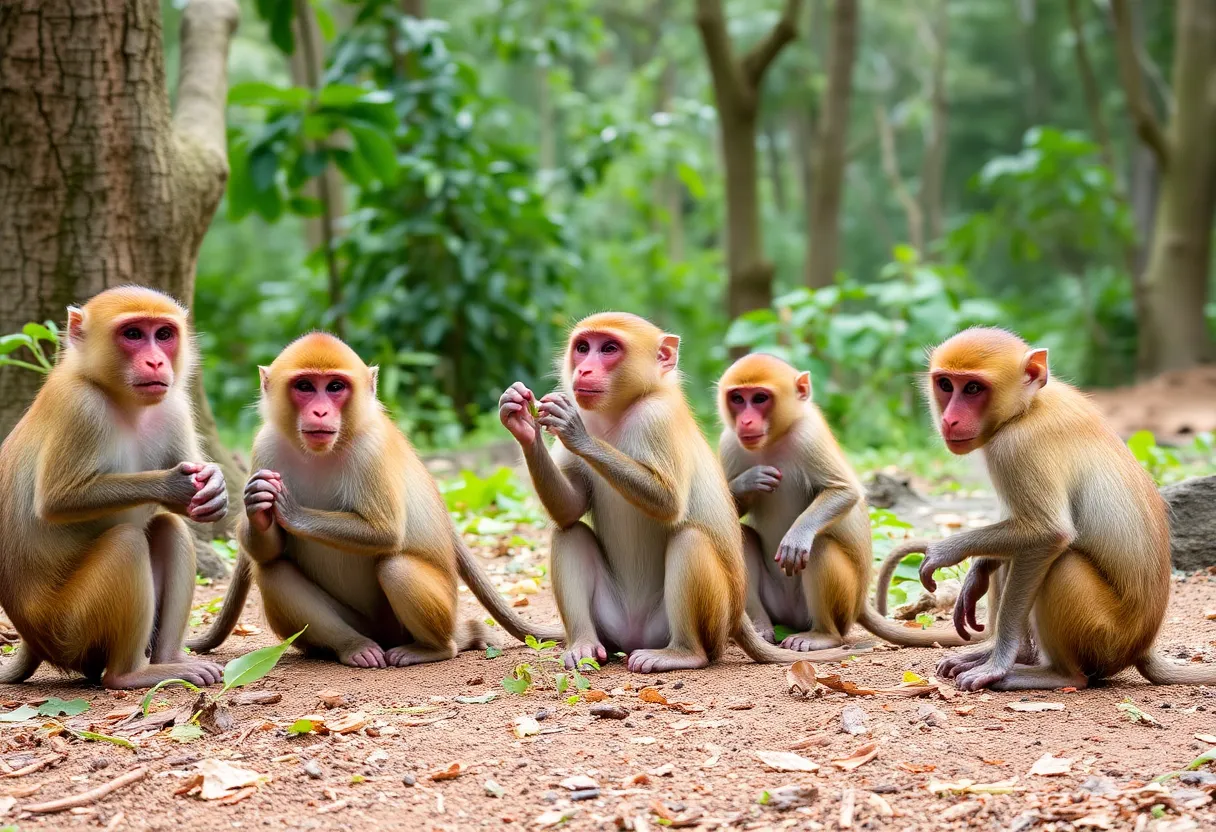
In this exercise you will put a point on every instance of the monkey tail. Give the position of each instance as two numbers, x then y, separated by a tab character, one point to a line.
22	666
479	583
759	650
888	569
230	612
886	629
472	634
1161	671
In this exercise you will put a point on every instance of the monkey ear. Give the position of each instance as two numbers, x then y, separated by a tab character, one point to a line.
264	375
75	326
1035	364
802	386
669	352
373	377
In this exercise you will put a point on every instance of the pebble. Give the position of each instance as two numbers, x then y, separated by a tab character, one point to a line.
312	769
585	794
409	779
607	711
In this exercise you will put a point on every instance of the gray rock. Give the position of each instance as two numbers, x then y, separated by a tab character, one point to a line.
1192	523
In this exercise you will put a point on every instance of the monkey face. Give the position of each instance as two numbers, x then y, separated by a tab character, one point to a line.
318	399
751	409
963	400
594	358
149	346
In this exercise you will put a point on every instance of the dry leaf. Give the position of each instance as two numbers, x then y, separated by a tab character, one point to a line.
963	710
348	723
595	695
635	780
665	770
246	630
740	705
1033	707
786	761
553	817
520	601
1208	738
652	695
450	773
1049	766
858	758
525	726
688	707
579	782
218	779
917	768
801	678
715	752
333	698
1210	615
971	787
688	818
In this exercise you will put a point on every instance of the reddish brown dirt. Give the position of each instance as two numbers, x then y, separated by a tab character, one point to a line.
990	743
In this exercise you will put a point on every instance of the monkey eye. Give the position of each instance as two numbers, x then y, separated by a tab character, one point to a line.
335	386
944	385
736	398
165	333
132	333
611	346
760	398
582	348
305	386
972	388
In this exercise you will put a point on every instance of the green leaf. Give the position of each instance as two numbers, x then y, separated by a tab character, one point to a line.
377	149
25	712
146	702
249	668
477	700
185	733
587	661
493	652
531	641
15	341
924	620
301	726
325	21
92	736
259	92
581	681
561	681
356	779
573	700
782	632
58	707
765	797
340	95
517	686
40	332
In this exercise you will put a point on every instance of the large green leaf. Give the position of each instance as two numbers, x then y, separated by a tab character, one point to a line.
246	669
260	92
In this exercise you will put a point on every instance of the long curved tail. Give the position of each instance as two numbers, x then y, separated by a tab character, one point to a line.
20	667
230	612
479	584
888	569
759	650
887	629
1161	671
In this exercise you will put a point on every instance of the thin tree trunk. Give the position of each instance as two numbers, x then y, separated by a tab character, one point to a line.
100	185
935	33
830	151
1176	277
669	190
913	213
776	175
737	85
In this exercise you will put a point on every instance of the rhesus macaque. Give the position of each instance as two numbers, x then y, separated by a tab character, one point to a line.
344	529
1085	543
658	573
807	545
96	562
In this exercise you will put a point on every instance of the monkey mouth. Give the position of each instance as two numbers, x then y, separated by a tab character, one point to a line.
320	434
752	438
153	385
587	391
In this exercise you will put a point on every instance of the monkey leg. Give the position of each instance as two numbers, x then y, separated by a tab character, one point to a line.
292	602
834	594
696	595
757	575
582	588
107	608
171	550
424	600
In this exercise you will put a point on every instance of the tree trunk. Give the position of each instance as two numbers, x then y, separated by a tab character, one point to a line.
737	85
776	175
669	190
100	185
933	166
830	152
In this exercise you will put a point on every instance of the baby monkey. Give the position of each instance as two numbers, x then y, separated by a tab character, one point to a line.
807	543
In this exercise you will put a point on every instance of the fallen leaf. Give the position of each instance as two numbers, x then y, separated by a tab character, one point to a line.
715	752
493	789
1208	738
989	761
1049	766
217	779
1034	707
858	758
740	705
258	697
635	780
1210	615
450	773
553	817
688	707
652	695
483	699
525	726
674	821
801	678
246	630
595	695
917	768
911	678
579	782
963	710
333	698
786	761
789	797
347	723
1134	714
665	770
971	787
520	601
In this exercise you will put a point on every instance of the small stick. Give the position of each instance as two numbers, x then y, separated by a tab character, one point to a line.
91	796
848	800
37	765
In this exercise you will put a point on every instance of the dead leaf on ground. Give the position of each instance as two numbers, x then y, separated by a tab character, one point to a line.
817	741
917	768
786	761
258	697
858	758
963	710
715	752
333	698
553	817
665	770
1208	738
691	817
450	773
1035	707
635	780
966	786
348	723
801	678
218	779
740	705
1135	714
789	797
1049	766
246	630
652	695
579	782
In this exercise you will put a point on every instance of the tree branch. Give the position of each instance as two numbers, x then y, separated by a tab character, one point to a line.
758	59
723	70
890	166
1089	84
202	91
1148	126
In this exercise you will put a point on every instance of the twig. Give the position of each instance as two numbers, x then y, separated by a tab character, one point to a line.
116	821
91	796
37	765
848	801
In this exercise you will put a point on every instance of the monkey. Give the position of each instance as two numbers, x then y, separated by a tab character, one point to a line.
345	531
658	571
97	564
1084	541
807	545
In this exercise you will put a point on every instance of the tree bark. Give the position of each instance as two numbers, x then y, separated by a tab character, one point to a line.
830	150
935	32
913	213
101	186
737	85
1176	277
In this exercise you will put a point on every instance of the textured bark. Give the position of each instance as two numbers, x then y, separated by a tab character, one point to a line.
1176	276
100	185
830	151
737	85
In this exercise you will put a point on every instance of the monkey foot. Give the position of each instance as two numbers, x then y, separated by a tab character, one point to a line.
580	650
956	663
766	633
1023	677
408	654
364	655
807	642
984	675
669	658
195	672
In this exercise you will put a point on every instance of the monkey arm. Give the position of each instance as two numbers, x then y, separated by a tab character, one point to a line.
640	484
1003	540
262	547
344	530
99	495
565	501
829	505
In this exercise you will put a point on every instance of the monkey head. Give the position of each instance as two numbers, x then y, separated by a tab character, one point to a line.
979	380
317	393
614	358
760	397
132	342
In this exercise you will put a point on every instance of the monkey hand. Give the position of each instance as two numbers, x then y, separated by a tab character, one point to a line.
935	559
261	494
975	587
757	479
515	407
560	417
210	501
794	553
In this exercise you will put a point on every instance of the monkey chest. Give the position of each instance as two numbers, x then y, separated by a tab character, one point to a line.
773	514
348	578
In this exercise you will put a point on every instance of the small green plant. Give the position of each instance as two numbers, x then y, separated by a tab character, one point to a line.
924	620
885	525
492	505
545	671
213	607
227	549
1158	461
32	336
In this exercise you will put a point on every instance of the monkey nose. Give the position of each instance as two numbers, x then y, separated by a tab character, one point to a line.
320	414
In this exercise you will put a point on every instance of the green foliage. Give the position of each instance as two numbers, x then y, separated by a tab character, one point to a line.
544	671
32	336
189	732
58	707
491	505
301	726
1169	465
247	669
